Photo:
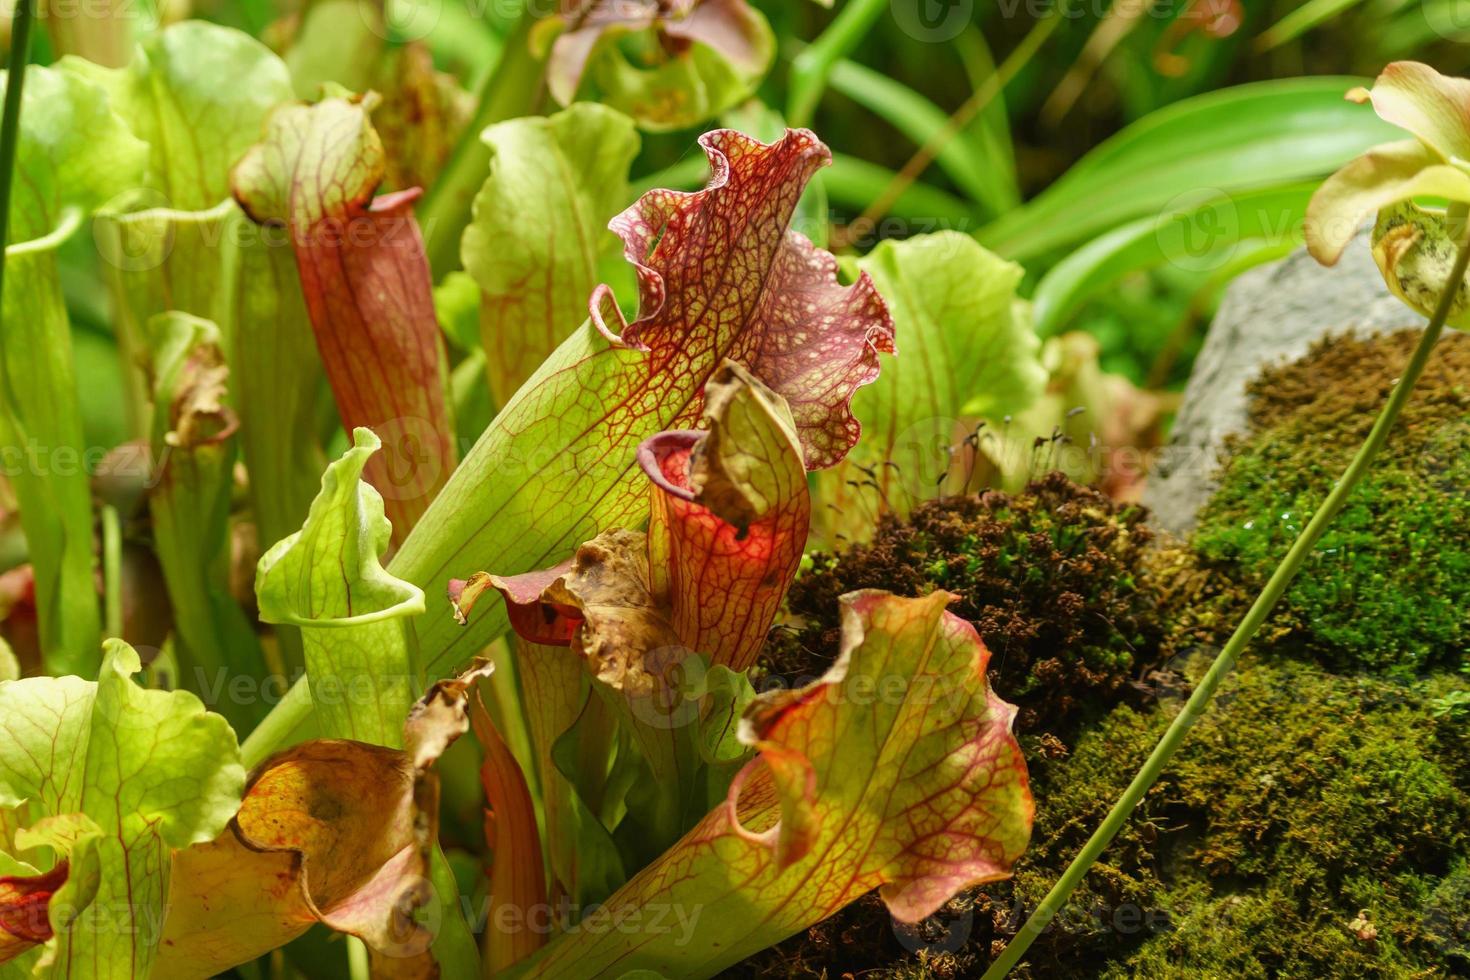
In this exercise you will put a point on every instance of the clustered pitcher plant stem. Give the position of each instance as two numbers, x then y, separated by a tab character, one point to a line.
315	246
1276	586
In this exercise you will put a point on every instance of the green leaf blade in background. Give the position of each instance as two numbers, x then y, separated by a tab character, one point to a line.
540	228
1302	19
992	126
1203	234
854	183
969	161
1235	139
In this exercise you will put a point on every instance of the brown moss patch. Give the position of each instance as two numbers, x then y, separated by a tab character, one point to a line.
1055	579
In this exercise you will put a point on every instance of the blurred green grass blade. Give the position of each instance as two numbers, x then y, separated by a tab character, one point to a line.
689	173
1418	25
1236	139
1302	19
992	128
972	164
853	183
850	182
810	68
1201	236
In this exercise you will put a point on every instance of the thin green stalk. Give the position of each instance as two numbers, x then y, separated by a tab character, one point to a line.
511	90
1280	580
357	959
112	572
810	69
20	53
284	726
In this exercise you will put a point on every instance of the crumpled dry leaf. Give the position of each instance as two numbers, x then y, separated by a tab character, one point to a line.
329	831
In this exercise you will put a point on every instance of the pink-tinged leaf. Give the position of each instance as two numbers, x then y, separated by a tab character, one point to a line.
24	910
897	772
730	515
534	620
330	831
517	875
704	56
730	512
721	276
367	286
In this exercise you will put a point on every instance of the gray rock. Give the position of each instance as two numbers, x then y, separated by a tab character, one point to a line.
1268	315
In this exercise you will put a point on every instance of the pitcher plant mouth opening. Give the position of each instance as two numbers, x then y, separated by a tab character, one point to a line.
599	487
664	459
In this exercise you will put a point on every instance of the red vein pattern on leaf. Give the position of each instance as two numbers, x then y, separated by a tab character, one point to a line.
952	829
373	309
720	274
918	796
368	289
724	583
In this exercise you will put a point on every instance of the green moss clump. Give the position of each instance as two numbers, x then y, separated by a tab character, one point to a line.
1313	825
1329	811
1384	590
1054	579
